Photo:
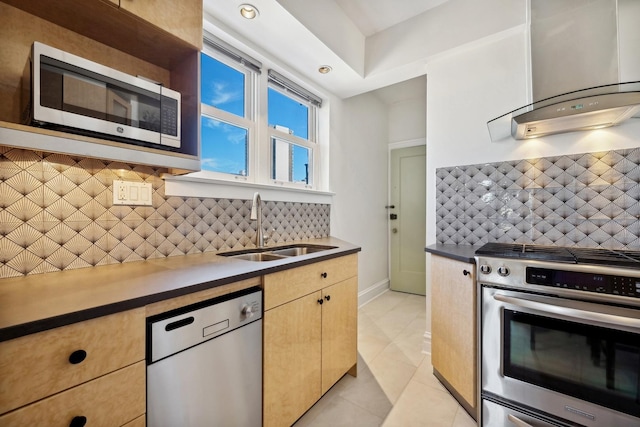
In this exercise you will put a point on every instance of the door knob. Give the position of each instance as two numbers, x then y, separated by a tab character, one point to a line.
394	230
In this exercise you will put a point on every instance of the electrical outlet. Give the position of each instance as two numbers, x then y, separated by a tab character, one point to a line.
131	193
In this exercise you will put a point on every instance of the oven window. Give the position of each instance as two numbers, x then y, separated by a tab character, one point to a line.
591	363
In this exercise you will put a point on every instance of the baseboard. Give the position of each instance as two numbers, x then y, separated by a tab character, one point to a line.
426	344
372	292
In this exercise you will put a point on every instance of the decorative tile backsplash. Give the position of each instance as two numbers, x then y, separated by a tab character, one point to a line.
56	213
590	200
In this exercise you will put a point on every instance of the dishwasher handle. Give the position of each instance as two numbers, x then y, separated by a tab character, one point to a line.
179	323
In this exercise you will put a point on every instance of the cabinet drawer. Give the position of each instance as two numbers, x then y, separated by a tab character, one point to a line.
38	365
111	400
288	285
141	421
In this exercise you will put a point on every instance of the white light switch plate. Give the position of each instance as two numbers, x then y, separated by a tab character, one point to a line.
131	193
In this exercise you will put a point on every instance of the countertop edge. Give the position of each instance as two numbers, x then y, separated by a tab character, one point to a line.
64	319
464	253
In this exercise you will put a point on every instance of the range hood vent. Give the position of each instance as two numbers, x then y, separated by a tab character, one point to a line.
577	44
593	108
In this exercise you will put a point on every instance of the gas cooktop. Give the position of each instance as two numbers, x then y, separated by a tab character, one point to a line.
613	258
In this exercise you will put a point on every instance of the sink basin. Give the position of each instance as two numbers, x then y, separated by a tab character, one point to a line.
260	256
300	250
268	254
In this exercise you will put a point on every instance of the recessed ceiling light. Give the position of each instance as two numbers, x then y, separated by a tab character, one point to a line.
324	69
249	11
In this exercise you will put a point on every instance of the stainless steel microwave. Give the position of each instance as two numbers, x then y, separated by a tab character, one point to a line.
76	95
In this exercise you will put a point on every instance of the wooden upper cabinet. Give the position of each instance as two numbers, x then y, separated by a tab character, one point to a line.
182	18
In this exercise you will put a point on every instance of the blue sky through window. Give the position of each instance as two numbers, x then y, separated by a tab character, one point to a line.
222	86
288	112
224	147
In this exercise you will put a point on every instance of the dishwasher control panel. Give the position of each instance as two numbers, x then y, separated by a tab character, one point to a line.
177	330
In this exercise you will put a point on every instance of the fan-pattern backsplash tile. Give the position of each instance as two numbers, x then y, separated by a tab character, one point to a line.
590	200
56	213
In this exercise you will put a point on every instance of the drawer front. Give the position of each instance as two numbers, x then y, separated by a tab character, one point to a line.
112	400
141	421
38	365
288	285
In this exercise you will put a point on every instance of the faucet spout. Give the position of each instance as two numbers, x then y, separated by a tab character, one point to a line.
256	215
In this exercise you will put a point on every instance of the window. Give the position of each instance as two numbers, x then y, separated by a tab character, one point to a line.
227	122
270	141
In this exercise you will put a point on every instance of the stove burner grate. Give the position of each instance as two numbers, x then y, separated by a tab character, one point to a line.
615	258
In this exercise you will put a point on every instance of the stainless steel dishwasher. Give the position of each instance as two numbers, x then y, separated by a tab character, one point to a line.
204	364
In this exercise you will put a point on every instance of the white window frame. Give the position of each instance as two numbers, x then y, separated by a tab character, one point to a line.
310	143
226	185
247	122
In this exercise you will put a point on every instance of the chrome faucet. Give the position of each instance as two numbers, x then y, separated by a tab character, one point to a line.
256	215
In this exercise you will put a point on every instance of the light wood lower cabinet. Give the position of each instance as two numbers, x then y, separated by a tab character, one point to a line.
339	331
111	400
453	328
93	369
310	337
292	359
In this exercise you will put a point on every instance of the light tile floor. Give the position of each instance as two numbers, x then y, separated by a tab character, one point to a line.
395	386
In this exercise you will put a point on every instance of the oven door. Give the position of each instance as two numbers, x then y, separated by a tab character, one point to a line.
574	360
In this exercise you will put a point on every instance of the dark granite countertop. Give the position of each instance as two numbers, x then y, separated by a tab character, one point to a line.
40	302
464	253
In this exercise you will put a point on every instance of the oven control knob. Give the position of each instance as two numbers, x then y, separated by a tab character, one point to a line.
485	269
503	271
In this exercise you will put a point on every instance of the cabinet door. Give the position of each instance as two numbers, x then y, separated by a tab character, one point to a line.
453	324
291	359
180	18
339	331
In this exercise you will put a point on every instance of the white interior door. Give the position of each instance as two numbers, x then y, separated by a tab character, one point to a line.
407	219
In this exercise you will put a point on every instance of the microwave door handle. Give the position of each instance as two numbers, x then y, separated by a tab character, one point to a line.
583	316
517	421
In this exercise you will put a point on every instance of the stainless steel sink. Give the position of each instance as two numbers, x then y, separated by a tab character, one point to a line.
300	250
272	254
260	256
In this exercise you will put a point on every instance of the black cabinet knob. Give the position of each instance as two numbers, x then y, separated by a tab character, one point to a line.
78	421
324	275
320	301
327	297
77	357
466	273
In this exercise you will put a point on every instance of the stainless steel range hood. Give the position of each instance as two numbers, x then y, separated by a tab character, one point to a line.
587	109
574	45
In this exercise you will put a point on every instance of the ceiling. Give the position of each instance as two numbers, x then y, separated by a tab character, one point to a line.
301	35
373	16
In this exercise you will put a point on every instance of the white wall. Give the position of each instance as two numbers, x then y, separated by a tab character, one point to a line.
359	179
407	119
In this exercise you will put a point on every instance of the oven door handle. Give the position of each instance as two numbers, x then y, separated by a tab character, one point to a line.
517	421
569	313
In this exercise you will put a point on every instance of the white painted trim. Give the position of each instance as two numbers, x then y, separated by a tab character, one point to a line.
406	144
205	187
426	343
372	292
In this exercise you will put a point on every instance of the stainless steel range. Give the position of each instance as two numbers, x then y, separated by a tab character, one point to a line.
560	336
